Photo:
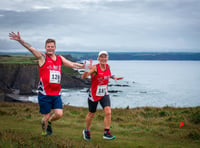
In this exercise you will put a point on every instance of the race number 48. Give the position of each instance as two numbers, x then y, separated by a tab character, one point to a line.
101	90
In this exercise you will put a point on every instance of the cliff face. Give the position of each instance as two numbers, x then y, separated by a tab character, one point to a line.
25	78
18	76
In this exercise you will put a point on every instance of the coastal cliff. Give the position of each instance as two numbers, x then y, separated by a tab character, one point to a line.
24	77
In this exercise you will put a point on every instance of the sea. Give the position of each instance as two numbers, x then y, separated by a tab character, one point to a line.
148	83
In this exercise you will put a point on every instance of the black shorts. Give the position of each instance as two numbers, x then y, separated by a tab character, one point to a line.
105	101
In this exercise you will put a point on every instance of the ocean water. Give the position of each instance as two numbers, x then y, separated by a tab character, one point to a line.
147	83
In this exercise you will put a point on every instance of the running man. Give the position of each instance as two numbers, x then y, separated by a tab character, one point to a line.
49	87
100	74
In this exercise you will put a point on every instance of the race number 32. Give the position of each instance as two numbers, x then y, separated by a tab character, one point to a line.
55	76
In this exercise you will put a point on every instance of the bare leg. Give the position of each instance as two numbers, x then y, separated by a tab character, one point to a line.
58	113
44	121
88	120
107	118
107	121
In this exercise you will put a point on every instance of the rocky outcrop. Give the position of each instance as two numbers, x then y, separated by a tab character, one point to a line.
18	76
2	95
25	78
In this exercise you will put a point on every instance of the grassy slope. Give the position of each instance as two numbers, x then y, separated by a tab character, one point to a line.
29	59
138	127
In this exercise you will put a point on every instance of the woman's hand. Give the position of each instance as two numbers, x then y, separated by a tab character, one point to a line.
87	65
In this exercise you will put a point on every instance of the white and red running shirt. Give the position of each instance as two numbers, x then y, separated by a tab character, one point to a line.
99	83
50	76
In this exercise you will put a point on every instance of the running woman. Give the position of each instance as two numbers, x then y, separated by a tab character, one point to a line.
98	92
49	87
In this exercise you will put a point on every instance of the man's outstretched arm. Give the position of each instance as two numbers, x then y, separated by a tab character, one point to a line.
35	52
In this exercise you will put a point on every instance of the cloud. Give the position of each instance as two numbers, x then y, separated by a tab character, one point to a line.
132	25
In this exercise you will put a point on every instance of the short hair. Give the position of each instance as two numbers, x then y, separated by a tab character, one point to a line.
50	41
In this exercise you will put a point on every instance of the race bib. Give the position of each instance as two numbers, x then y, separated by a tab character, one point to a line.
101	90
55	76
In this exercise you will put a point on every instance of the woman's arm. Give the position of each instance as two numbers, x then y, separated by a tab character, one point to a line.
116	78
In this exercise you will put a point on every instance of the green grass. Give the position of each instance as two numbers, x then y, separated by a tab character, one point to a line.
69	71
134	128
21	59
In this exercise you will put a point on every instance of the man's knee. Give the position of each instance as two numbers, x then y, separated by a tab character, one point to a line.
59	113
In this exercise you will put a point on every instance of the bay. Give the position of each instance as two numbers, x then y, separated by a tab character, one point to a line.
150	83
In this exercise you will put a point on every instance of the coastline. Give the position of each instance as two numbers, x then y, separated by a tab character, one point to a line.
176	88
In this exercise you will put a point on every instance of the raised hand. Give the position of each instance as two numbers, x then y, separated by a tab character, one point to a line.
88	65
14	36
35	52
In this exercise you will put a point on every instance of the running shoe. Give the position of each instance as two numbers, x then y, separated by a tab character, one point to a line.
108	136
86	135
44	133
49	129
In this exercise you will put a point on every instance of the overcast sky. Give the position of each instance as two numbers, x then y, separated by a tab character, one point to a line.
112	25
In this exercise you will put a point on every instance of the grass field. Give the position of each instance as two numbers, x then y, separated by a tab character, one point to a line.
20	59
134	128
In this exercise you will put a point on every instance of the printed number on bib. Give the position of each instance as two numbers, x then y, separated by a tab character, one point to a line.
101	90
54	76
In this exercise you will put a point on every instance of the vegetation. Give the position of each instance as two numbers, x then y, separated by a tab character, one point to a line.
135	128
69	71
21	59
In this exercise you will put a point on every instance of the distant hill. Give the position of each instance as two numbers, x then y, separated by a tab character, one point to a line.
129	55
